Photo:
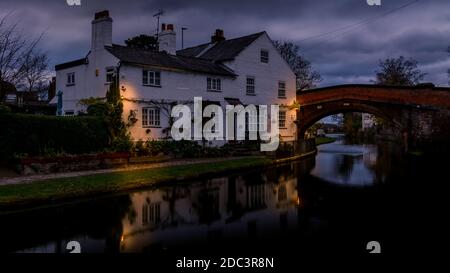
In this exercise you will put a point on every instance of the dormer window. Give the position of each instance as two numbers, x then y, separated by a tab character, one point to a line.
264	56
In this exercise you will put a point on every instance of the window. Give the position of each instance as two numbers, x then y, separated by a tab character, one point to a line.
250	85
151	213
213	84
69	113
255	196
151	117
282	119
264	56
109	75
71	78
282	193
281	89
150	77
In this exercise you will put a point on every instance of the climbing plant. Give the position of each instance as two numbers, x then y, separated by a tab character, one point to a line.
111	110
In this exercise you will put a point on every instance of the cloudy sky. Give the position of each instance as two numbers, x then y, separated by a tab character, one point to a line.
343	39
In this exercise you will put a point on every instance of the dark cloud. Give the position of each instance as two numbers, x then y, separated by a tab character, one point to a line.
328	32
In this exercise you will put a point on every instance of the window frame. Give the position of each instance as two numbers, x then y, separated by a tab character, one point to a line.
151	120
262	58
250	86
283	90
213	84
109	71
70	80
148	75
282	125
151	213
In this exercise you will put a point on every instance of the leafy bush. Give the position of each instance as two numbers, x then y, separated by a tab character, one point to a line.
4	109
183	149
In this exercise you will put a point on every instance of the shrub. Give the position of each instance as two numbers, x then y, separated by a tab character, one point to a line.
48	135
183	149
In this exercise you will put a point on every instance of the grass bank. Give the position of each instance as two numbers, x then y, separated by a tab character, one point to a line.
56	189
324	140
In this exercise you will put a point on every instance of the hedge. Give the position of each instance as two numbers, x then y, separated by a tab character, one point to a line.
35	135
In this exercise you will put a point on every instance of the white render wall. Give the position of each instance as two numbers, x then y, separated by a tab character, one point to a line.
266	75
87	83
184	86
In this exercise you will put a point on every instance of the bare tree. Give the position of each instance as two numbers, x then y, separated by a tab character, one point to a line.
14	48
399	71
35	68
306	77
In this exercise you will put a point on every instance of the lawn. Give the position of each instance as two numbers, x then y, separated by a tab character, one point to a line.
324	140
82	186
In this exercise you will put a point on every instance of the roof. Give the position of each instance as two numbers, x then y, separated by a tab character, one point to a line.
164	60
70	64
233	101
221	51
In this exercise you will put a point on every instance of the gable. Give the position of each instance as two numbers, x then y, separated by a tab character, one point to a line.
264	43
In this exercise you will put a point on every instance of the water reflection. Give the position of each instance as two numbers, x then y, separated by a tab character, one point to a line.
263	209
347	164
246	205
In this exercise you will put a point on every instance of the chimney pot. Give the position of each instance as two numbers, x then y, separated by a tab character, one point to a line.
170	27
102	14
163	27
218	36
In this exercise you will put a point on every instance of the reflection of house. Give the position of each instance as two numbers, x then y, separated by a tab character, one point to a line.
244	70
368	121
220	207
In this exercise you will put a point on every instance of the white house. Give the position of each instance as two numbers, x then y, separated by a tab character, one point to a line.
244	70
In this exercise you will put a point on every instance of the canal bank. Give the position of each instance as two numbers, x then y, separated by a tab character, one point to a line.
248	211
44	190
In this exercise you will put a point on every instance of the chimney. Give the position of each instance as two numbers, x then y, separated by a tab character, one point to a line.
167	39
218	36
101	30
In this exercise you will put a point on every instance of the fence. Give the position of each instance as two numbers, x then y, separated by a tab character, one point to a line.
296	147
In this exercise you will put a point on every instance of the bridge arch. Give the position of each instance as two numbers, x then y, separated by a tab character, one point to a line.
420	114
345	106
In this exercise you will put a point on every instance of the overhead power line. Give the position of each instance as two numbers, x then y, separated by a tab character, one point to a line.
351	27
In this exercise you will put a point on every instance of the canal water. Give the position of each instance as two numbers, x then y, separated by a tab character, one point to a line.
335	202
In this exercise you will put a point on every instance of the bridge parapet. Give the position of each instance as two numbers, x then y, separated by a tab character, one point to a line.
422	113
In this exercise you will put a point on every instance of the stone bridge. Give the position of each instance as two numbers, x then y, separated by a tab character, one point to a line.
420	114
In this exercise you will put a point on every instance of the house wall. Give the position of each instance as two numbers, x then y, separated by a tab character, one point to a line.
184	86
175	86
266	75
88	82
